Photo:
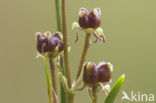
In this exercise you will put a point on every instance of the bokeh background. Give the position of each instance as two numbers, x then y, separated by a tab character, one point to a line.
130	29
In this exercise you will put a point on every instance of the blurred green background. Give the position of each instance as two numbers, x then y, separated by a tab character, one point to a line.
130	29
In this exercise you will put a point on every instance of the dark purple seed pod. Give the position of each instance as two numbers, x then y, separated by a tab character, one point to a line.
94	18
83	18
105	71
42	43
55	41
91	74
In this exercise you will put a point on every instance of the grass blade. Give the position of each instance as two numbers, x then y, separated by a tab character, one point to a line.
115	89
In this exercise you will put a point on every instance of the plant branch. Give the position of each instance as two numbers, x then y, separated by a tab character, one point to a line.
84	53
65	46
94	92
53	76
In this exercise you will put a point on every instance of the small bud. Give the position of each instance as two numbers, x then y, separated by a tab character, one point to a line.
105	71
47	34
42	43
94	18
83	18
90	75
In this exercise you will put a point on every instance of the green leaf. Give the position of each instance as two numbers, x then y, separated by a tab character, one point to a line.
115	89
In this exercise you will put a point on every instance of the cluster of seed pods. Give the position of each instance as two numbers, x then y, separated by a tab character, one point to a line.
94	74
89	19
49	43
90	23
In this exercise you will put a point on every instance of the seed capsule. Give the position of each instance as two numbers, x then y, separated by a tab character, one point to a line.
55	41
42	43
90	75
83	18
105	71
94	18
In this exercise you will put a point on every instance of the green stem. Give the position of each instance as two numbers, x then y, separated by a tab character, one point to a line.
53	74
58	14
70	99
63	93
84	53
49	86
59	27
65	46
94	92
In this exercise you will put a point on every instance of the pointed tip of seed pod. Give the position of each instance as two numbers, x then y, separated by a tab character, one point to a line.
37	35
99	11
81	12
90	65
47	34
75	25
96	13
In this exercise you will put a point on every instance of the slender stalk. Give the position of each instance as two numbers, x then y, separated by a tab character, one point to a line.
58	14
65	43
70	99
53	74
85	49
65	46
94	100
53	77
62	91
94	92
59	27
49	86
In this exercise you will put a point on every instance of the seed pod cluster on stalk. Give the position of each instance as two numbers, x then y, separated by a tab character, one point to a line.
90	23
49	44
94	74
89	19
97	77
